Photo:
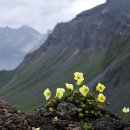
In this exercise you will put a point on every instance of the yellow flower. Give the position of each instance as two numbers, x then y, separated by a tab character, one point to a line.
78	76
47	93
60	92
79	82
59	95
101	97
100	87
81	114
126	110
79	109
37	128
69	86
55	119
50	109
84	90
83	105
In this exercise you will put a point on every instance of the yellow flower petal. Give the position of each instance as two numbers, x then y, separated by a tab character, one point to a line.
60	92
81	114
79	82
101	97
37	128
84	90
78	76
59	95
126	110
47	93
69	86
55	119
100	87
50	109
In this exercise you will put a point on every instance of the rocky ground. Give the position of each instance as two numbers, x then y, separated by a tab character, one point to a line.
11	119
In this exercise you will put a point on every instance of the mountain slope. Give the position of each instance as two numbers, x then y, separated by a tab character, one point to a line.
95	42
16	43
5	76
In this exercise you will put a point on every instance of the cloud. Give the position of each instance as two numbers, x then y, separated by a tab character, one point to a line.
41	14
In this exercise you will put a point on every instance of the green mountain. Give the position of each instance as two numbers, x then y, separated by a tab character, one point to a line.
5	76
96	42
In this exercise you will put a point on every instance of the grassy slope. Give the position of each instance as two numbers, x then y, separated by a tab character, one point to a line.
5	76
117	78
54	72
54	75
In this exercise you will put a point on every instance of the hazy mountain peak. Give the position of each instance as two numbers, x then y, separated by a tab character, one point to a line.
15	43
25	29
28	29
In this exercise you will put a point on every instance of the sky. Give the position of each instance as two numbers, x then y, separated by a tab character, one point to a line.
42	15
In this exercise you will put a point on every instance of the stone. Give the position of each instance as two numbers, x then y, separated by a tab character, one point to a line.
66	110
11	119
62	123
43	112
127	128
77	128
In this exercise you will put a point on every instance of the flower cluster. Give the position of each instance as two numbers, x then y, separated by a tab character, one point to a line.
100	88
84	90
87	102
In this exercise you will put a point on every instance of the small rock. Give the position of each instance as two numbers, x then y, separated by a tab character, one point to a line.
66	110
43	112
77	128
62	123
127	128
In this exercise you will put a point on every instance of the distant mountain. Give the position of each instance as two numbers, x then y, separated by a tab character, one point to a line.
16	43
96	42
